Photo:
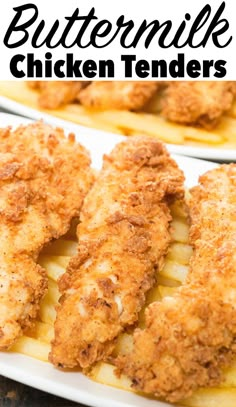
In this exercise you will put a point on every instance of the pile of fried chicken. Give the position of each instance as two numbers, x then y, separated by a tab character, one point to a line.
190	103
123	237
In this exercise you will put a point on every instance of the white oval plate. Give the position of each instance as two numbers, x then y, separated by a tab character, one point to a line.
216	154
73	385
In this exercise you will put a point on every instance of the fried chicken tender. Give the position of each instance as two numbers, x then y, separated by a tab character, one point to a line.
43	177
54	94
34	84
190	337
128	95
198	103
123	237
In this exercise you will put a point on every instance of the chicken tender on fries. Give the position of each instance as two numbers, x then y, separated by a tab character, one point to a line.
54	94
123	236
198	103
118	95
190	336
43	177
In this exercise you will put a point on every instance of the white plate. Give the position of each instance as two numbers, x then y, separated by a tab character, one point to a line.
216	154
72	385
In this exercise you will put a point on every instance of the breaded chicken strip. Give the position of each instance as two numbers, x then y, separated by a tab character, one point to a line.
34	84
118	94
123	237
191	336
54	94
197	103
43	179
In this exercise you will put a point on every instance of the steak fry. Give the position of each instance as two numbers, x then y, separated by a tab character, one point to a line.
123	237
43	179
191	336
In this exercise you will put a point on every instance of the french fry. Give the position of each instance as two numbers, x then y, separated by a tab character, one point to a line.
52	266
229	376
166	291
166	281
180	231
157	126
174	271
19	92
32	347
214	397
41	331
149	124
53	291
180	253
202	136
227	128
124	345
47	312
104	373
152	296
85	117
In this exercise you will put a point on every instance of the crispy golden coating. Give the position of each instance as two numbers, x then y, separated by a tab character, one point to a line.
34	84
197	103
54	94
43	179
123	236
118	94
191	336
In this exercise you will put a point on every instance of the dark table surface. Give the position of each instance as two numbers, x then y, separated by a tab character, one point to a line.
14	394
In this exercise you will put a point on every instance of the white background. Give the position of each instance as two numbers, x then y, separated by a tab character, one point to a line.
161	10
